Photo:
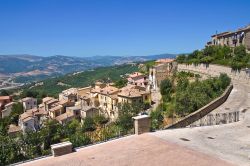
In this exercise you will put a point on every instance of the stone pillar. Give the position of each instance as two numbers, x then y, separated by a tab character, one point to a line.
142	124
61	148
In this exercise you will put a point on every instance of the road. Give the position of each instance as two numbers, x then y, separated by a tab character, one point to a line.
230	142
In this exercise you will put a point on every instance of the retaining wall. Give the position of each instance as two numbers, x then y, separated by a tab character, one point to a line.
191	118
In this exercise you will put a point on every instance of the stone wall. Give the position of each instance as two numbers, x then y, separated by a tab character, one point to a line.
215	70
202	111
141	124
61	149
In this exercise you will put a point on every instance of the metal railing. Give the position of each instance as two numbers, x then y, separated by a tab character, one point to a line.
217	119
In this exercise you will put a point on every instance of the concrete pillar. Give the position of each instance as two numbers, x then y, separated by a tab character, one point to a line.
61	148
142	124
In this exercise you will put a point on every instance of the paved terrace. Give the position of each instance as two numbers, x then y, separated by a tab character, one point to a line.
146	150
227	144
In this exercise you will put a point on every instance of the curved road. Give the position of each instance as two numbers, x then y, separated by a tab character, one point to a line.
230	142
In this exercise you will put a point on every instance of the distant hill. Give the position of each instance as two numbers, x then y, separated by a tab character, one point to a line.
27	68
53	86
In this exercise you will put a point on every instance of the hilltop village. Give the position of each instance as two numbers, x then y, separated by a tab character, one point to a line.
79	103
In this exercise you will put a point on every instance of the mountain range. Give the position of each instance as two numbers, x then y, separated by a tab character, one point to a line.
32	66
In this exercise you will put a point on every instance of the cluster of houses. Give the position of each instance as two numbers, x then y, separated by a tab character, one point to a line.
79	103
232	38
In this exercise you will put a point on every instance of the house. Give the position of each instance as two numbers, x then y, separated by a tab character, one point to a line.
163	61
83	91
48	103
72	112
88	111
105	97
28	122
134	94
31	120
56	111
139	79
75	110
65	118
13	130
232	39
69	95
163	69
3	101
29	103
8	108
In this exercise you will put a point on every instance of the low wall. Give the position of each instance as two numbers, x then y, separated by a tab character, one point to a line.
191	118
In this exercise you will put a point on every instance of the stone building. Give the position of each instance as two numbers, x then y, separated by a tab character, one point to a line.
163	69
139	79
3	101
134	94
69	95
232	39
8	108
29	103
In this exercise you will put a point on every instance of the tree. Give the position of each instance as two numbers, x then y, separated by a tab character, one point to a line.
240	52
31	143
4	93
121	83
51	133
71	127
166	88
79	139
88	124
17	110
100	120
181	58
225	80
126	113
156	119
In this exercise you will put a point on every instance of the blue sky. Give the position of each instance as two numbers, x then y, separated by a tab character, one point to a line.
115	27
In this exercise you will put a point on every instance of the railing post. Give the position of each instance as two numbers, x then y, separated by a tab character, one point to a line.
142	124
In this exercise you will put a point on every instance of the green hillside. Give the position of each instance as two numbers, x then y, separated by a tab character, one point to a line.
53	86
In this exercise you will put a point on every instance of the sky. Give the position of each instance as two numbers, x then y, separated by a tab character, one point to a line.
115	27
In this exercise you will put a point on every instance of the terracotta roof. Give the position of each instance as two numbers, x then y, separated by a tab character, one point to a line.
52	101
27	119
27	98
46	99
26	116
31	110
5	97
88	87
167	60
58	107
135	74
108	90
13	129
64	116
132	91
70	90
62	102
98	83
36	111
9	104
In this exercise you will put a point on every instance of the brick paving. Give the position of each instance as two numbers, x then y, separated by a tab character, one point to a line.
142	150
